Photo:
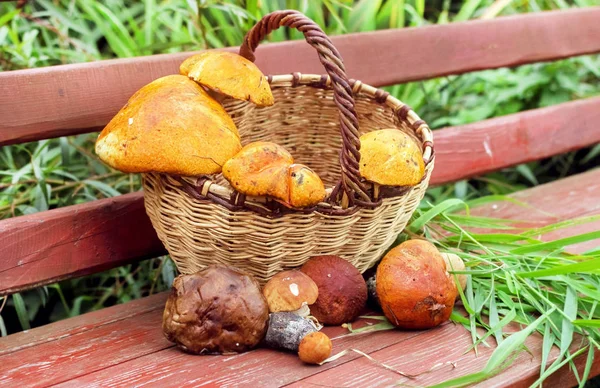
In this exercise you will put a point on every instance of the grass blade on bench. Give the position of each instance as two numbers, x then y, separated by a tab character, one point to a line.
519	278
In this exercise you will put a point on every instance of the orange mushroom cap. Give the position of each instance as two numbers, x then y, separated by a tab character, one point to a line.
390	157
315	348
172	126
267	169
229	74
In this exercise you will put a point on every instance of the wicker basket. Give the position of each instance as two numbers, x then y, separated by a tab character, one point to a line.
319	119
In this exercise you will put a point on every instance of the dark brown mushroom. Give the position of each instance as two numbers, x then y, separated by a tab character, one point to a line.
342	289
217	310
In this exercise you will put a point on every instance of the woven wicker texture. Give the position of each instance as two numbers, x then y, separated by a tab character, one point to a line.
204	221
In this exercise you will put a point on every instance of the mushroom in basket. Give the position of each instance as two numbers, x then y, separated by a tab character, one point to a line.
390	157
267	169
174	125
228	74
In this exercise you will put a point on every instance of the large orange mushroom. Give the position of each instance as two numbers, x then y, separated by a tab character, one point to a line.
171	126
414	287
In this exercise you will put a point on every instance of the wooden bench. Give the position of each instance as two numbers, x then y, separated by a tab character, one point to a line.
124	345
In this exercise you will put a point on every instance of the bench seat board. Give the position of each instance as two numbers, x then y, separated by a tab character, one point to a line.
86	238
71	99
123	345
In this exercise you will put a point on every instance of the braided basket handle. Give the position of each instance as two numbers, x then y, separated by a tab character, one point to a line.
332	61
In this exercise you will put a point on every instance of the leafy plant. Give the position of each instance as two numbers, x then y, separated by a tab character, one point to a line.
514	277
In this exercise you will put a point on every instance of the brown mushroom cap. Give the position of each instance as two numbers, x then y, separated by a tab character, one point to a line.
414	289
289	290
267	169
172	126
229	74
315	348
390	157
342	289
217	310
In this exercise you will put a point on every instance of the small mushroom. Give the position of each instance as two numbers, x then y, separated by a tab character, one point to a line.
229	74
290	291
342	289
413	286
390	157
267	169
455	263
171	126
217	310
315	348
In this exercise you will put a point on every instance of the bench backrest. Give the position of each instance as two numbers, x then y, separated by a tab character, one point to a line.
71	99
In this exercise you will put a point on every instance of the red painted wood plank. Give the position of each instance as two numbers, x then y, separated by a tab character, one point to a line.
148	359
261	367
572	197
75	240
80	325
70	243
98	348
445	345
489	145
70	99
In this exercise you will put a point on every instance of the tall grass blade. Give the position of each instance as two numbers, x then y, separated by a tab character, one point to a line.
21	311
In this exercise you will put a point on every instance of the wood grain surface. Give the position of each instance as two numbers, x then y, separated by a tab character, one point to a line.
65	100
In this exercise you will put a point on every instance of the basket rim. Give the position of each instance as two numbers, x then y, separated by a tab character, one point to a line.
206	188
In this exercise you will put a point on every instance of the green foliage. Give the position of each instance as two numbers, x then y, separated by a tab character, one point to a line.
517	278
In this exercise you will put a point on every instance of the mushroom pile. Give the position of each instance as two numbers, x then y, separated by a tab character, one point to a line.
177	125
223	310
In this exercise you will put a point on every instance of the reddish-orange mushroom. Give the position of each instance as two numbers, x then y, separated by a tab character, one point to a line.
413	287
315	348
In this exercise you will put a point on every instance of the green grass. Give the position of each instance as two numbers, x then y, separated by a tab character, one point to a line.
59	172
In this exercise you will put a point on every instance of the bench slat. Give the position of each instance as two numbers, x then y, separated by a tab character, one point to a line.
75	240
82	239
446	345
124	344
469	150
71	99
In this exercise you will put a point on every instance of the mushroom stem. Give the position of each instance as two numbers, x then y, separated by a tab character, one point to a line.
303	311
375	191
372	290
215	95
286	330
